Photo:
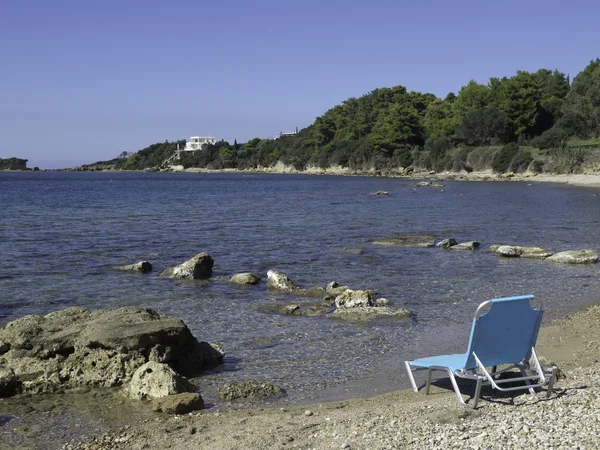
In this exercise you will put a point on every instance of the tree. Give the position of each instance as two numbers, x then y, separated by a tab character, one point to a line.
581	111
439	120
484	127
472	97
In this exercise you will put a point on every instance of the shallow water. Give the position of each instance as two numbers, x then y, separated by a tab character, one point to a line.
61	232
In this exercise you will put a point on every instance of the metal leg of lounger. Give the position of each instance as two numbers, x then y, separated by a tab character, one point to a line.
551	382
477	392
411	377
527	382
456	389
428	385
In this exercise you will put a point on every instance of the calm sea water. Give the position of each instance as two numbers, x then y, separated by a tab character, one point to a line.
61	232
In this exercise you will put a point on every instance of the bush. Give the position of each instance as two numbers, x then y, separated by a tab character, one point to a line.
521	161
552	138
502	160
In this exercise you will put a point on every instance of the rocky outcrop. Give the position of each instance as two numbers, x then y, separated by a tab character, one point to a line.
409	240
141	266
245	278
77	347
198	268
279	281
155	380
575	257
248	390
429	184
178	403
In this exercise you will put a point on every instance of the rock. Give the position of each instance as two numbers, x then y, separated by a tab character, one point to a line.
245	278
353	299
381	193
8	382
280	281
334	289
365	313
416	240
470	245
248	390
178	403
512	251
154	380
509	251
382	302
447	243
428	184
77	347
141	266
575	257
198	268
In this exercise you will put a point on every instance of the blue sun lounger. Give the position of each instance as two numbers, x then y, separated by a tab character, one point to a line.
503	336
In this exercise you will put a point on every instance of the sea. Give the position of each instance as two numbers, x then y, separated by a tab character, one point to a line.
62	232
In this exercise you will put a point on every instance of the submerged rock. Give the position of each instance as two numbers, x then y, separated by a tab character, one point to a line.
470	245
245	278
248	390
178	403
198	268
141	266
363	313
512	251
78	347
408	240
575	257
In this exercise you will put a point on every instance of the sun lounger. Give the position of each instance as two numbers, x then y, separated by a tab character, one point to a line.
502	339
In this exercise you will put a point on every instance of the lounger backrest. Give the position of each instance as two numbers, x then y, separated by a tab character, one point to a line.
506	333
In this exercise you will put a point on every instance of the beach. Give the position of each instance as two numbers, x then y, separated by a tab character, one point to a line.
570	418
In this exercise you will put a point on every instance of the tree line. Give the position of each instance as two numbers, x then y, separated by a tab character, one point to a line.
530	121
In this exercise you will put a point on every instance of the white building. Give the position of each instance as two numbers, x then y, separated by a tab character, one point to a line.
196	143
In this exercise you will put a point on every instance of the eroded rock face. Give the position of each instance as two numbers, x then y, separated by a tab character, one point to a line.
76	347
280	281
245	278
156	380
141	266
575	257
248	389
198	268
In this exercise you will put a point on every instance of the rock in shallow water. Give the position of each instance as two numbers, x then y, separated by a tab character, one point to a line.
198	268
141	266
156	380
575	257
245	278
78	347
178	403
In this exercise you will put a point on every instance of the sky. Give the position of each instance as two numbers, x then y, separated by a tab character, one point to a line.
83	81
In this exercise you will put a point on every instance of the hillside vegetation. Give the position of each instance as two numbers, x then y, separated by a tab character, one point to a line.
535	121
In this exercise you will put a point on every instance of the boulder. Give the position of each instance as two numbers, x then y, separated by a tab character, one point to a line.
447	243
535	253
78	347
245	278
575	257
381	193
470	245
353	299
178	403
248	390
280	281
155	380
198	268
141	266
334	289
408	240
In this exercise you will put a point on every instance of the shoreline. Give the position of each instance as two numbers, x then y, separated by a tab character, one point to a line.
405	419
580	179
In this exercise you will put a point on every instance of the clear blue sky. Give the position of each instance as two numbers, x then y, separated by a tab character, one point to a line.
82	81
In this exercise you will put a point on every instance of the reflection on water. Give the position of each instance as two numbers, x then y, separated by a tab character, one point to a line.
61	232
